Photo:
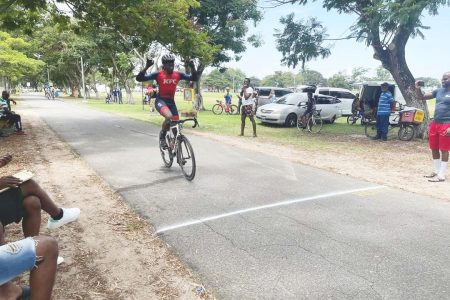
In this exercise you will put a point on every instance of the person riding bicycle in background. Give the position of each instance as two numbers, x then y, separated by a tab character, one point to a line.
167	80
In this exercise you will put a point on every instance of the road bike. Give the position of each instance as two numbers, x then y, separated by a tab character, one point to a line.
314	121
179	146
219	108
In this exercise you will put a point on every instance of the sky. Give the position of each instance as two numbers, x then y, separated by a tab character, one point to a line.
425	58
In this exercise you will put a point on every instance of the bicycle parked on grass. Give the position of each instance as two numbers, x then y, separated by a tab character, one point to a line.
219	107
313	121
352	119
407	119
179	146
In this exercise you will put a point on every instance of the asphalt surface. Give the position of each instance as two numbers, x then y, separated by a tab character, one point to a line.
254	226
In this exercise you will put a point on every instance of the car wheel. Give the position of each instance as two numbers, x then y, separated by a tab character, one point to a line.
333	119
291	120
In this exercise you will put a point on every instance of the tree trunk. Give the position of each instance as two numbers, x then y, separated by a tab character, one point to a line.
198	101
94	86
393	59
130	99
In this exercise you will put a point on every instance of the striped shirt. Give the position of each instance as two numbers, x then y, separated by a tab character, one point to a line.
384	104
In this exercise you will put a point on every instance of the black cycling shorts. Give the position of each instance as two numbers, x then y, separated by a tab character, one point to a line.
11	206
162	105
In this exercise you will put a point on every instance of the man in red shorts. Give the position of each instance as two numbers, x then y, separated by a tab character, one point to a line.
439	130
167	80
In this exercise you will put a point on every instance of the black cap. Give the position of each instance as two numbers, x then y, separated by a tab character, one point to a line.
385	84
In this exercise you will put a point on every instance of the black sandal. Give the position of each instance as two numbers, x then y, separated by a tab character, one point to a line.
26	293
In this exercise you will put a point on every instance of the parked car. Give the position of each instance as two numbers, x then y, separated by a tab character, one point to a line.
344	95
264	91
286	110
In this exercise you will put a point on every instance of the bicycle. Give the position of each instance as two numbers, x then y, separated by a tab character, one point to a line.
314	122
219	107
179	146
352	119
406	130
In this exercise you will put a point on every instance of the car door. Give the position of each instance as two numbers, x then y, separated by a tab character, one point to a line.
324	104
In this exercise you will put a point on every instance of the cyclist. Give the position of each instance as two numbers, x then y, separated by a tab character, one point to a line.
310	105
167	80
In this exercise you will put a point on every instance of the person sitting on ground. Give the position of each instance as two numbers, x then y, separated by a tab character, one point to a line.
23	201
7	114
37	254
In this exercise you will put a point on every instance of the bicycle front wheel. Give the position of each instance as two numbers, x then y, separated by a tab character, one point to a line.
233	109
406	132
351	119
166	155
370	129
315	124
217	109
186	158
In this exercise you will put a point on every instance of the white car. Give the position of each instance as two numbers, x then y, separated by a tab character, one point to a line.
344	95
286	110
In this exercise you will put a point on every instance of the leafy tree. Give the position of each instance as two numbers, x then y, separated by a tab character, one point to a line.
280	79
386	26
313	77
340	80
255	81
225	23
382	74
218	80
14	61
300	41
359	74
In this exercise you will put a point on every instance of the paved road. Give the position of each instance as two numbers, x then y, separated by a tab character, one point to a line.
254	226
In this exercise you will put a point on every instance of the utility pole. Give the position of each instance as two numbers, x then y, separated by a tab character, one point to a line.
82	79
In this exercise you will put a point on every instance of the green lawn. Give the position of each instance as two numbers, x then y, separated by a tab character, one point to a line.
332	136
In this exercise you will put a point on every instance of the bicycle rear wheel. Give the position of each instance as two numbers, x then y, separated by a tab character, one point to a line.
166	155
217	109
370	129
315	124
406	132
186	158
351	119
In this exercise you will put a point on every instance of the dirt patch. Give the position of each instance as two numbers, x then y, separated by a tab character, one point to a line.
110	253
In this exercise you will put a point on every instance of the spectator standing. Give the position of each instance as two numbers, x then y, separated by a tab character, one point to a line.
114	92
439	129
272	96
383	112
247	97
119	94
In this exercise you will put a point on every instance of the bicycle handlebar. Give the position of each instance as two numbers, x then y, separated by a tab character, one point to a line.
185	120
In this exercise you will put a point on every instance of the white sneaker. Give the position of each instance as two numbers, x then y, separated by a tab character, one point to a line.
69	215
60	260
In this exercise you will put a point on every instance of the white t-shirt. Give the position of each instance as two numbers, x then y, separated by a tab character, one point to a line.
250	99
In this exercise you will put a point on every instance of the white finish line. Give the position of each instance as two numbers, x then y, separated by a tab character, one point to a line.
247	210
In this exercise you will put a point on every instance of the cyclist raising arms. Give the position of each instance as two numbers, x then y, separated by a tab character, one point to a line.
167	80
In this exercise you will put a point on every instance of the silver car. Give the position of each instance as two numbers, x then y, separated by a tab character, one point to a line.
286	110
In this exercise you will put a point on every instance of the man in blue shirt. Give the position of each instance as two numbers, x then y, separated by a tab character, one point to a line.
439	130
383	112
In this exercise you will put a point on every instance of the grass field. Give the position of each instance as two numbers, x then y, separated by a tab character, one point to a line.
331	136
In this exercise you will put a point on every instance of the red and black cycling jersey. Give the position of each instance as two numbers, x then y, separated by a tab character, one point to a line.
167	82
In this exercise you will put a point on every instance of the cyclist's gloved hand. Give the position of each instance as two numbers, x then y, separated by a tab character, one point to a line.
149	63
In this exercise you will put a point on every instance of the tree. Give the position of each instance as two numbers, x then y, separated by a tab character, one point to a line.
359	75
340	80
225	24
280	79
14	62
382	74
386	26
430	82
219	79
313	77
300	41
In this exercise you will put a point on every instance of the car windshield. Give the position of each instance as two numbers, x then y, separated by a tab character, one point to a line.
290	99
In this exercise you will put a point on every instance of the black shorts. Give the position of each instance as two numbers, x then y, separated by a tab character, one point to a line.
11	206
162	105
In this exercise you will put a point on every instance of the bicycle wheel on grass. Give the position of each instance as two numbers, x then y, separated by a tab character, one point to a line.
233	109
315	124
370	129
351	119
406	132
217	109
186	158
166	155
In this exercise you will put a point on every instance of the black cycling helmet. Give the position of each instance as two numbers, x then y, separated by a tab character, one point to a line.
168	58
